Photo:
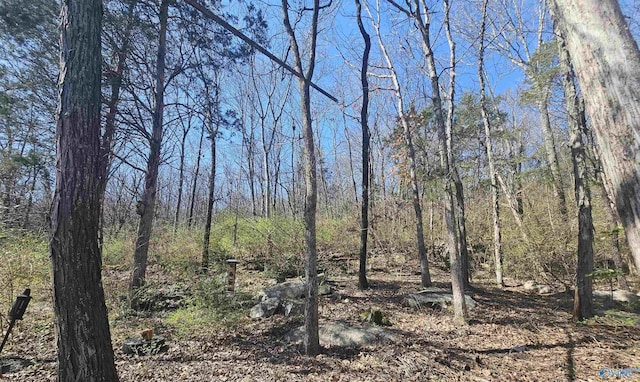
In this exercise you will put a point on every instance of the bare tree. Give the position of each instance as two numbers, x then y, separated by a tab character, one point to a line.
411	154
583	305
311	340
366	138
146	206
83	337
607	63
497	236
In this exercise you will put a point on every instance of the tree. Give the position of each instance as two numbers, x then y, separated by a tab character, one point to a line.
403	115
311	340
146	206
495	205
583	304
366	138
84	342
607	63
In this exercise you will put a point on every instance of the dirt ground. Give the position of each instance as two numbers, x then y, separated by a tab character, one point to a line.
512	336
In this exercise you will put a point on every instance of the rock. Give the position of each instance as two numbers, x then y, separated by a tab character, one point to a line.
341	334
293	307
324	290
285	290
434	297
618	295
529	285
133	346
544	289
266	308
13	364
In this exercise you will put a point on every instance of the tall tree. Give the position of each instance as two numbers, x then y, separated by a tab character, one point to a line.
366	138
83	337
583	305
607	63
311	339
147	205
418	11
495	205
411	154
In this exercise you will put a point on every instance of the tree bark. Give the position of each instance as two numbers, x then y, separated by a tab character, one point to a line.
607	64
366	138
213	132
311	339
583	304
495	205
457	283
82	325
146	208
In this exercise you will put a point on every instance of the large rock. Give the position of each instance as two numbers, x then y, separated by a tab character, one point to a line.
266	308
434	297
341	334
617	295
283	291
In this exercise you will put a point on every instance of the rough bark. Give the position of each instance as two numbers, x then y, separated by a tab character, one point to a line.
311	339
583	303
366	137
495	205
82	325
146	208
607	63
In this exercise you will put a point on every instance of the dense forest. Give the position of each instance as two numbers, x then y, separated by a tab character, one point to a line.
187	169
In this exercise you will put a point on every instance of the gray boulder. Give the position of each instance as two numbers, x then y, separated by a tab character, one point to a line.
266	308
341	334
434	297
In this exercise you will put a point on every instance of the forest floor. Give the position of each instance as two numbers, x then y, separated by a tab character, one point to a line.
512	335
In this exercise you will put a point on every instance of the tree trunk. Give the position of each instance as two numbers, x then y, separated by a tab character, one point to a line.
176	218
311	339
607	63
411	154
146	208
457	181
196	174
495	205
457	283
366	138
213	131
583	304
82	325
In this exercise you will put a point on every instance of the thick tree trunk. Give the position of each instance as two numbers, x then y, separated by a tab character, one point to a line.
366	137
82	325
607	63
176	218
583	304
146	208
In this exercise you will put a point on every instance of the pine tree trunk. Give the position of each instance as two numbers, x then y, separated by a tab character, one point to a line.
82	325
607	64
